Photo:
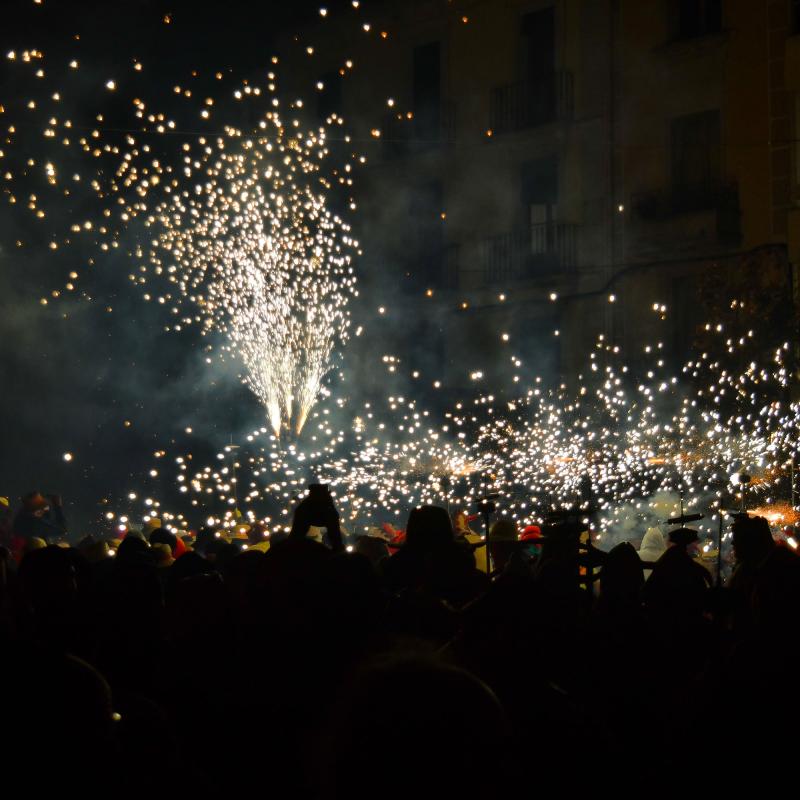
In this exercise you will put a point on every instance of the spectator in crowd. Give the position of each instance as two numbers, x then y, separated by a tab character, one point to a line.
39	517
367	673
651	549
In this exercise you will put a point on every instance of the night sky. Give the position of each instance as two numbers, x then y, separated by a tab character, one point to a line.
110	387
96	375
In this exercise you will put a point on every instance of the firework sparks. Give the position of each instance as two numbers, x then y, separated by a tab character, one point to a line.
264	261
233	229
233	232
539	452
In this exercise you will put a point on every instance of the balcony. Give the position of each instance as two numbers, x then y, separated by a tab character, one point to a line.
518	106
404	134
538	252
707	212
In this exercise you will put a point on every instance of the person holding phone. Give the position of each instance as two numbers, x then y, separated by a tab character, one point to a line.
318	509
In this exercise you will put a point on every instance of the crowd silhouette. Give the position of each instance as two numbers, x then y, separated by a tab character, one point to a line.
292	667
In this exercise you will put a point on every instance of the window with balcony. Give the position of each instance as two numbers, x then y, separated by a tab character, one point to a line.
698	18
539	195
697	186
431	120
542	94
542	246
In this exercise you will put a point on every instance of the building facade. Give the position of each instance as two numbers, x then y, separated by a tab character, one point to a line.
540	172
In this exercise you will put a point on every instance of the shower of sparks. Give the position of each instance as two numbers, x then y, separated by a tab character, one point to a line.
264	261
642	447
232	229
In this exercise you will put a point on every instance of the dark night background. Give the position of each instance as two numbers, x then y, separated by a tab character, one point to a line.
70	385
643	183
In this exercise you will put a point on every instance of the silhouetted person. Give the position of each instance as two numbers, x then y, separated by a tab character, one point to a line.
621	582
57	722
652	548
502	543
416	728
752	543
39	517
49	579
375	548
429	531
432	561
757	693
317	509
258	537
676	593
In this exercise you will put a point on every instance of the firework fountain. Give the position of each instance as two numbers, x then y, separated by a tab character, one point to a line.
265	262
234	229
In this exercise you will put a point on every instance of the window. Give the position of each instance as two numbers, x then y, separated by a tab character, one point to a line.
539	195
538	67
427	88
699	17
538	43
696	152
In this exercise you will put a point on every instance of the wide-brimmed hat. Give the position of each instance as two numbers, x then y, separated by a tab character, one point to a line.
35	501
683	536
504	530
151	525
161	554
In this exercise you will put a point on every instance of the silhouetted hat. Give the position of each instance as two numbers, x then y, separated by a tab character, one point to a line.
683	536
35	501
504	530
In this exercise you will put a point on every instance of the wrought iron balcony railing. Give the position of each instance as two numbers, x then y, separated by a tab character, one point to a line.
539	251
517	106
